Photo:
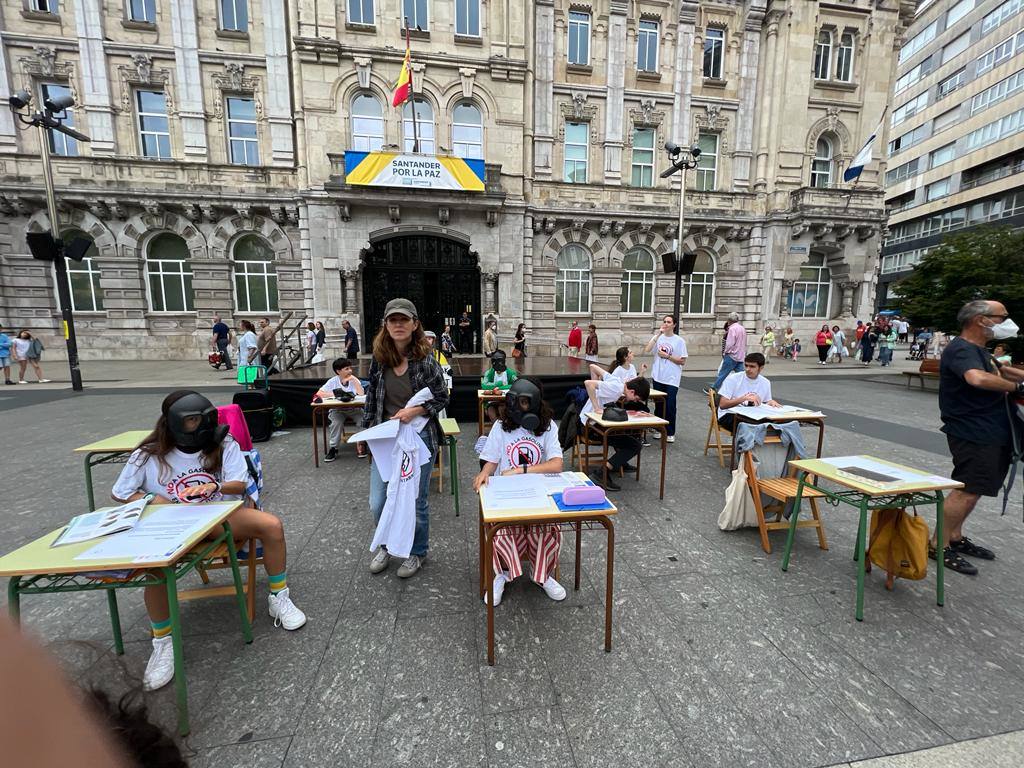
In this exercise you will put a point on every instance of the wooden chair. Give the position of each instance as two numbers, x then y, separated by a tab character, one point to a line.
714	428
222	561
781	489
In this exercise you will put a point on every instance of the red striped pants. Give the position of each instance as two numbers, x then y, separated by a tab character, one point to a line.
537	543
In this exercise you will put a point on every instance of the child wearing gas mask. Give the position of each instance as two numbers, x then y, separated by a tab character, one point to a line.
344	379
524	441
499	378
189	458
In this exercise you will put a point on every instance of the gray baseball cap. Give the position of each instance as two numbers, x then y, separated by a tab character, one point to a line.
401	307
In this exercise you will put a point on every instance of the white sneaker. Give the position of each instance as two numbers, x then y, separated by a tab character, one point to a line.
284	611
553	589
410	566
380	560
656	435
160	669
44	381
23	382
671	438
500	580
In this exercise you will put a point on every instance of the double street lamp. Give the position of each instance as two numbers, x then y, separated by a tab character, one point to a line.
677	262
48	246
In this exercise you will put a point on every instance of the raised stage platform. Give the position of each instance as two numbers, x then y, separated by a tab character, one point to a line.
294	389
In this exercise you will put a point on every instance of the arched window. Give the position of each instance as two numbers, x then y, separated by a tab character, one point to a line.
809	296
367	123
572	283
84	276
844	58
255	278
424	126
170	274
467	131
638	281
699	287
821	166
822	55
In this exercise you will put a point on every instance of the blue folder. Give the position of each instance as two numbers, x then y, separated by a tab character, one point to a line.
580	507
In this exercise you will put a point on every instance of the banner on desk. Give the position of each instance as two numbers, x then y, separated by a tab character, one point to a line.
390	169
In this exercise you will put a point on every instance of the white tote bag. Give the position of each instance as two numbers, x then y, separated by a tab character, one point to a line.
739	511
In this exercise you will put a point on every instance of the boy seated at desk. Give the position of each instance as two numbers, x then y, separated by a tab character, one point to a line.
746	387
524	441
499	378
344	380
606	389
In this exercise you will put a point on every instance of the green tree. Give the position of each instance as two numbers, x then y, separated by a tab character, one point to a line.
982	263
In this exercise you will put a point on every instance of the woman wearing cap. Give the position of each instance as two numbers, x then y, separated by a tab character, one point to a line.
189	458
403	365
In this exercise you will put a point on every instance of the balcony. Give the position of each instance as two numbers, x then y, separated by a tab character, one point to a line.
828	199
993	175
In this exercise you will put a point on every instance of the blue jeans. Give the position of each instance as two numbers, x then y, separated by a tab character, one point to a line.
728	366
885	355
671	393
378	496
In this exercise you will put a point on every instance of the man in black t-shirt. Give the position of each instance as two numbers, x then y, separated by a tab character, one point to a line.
976	413
351	341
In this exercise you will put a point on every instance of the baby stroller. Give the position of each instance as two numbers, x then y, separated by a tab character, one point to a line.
916	351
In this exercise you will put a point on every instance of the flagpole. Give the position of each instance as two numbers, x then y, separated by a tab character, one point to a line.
856	181
412	92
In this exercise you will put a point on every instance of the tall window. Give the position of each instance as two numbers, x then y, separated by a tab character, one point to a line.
416	14
810	294
919	41
647	46
950	84
424	126
242	139
59	143
367	123
577	137
714	52
234	15
579	38
154	130
467	18
44	6
643	158
637	281
958	11
361	12
699	288
170	275
822	55
84	277
467	131
844	59
821	166
707	163
572	281
142	10
255	278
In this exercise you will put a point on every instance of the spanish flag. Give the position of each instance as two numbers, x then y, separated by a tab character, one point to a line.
403	88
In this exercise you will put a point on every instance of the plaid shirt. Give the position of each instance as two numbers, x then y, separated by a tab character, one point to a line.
422	373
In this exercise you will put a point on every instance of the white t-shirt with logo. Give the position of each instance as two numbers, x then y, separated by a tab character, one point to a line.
504	448
147	474
665	371
609	389
737	384
624	372
335	382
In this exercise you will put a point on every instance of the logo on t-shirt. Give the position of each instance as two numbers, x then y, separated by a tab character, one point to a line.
190	478
524	447
407	468
665	348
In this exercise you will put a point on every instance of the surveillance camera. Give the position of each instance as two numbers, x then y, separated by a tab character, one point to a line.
695	151
672	148
20	100
60	103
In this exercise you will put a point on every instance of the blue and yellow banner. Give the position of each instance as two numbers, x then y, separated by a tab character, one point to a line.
391	169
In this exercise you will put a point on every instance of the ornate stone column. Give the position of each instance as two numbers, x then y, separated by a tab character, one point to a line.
350	276
616	85
491	293
787	286
846	305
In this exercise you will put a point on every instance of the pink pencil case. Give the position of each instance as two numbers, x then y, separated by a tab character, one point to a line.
583	495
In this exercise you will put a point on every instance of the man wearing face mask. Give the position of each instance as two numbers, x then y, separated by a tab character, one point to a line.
980	426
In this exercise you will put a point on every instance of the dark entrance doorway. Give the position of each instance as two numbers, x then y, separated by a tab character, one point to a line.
440	276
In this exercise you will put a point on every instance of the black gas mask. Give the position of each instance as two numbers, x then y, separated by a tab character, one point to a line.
207	432
528	418
498	362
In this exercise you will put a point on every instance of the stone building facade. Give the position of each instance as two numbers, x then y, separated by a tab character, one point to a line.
215	179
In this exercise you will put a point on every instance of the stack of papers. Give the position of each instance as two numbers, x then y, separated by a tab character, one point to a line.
102	522
516	492
759	412
867	470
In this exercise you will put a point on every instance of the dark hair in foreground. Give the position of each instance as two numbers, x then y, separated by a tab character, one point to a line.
341	362
546	414
641	386
145	742
755	357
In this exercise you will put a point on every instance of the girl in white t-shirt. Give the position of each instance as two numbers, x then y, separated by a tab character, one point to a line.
622	366
189	458
512	449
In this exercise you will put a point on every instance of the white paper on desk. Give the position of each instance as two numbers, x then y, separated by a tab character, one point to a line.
356	399
759	412
556	482
900	474
158	536
516	492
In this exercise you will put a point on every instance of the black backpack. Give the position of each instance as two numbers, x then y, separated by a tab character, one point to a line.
569	427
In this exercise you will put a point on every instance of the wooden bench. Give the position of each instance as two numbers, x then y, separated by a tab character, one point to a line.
929	370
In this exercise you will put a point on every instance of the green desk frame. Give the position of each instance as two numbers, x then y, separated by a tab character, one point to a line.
451	440
112	450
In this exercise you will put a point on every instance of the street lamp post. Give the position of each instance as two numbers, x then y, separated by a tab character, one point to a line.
48	119
681	162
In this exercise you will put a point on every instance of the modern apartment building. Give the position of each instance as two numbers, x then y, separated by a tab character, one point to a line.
955	154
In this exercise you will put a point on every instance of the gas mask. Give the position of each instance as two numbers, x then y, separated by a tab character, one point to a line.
498	362
528	419
207	433
1004	330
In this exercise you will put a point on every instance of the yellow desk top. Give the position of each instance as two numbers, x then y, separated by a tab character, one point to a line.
331	402
656	393
646	421
450	427
37	557
122	443
831	472
552	514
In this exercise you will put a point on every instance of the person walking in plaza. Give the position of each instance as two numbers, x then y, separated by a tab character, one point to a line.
27	351
248	343
402	366
858	335
490	339
268	343
867	344
823	340
886	345
5	355
447	345
321	336
787	343
351	341
221	342
667	371
982	426
735	350
310	341
519	342
838	348
575	340
903	328
767	342
591	344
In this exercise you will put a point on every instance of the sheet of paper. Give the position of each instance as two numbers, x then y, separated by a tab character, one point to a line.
899	474
516	492
158	536
557	482
102	522
769	412
386	430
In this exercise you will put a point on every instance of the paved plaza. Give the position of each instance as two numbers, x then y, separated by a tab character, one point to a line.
718	659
